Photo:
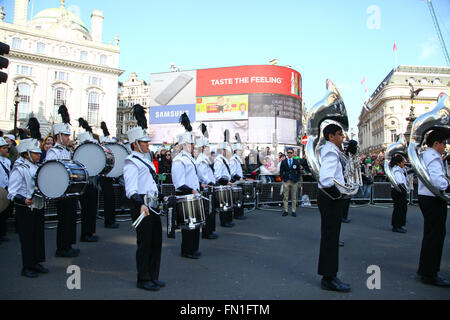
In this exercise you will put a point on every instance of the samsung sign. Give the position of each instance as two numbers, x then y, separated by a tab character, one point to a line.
171	114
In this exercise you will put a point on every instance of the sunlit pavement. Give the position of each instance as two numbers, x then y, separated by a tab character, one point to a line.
266	256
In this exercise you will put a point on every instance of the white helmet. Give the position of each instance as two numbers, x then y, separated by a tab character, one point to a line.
63	128
3	142
138	134
29	145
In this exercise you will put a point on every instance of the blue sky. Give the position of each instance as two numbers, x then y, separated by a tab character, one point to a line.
344	40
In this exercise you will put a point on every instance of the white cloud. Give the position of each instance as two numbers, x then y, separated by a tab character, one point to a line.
429	48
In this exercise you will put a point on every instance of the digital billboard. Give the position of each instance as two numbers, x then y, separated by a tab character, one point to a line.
222	108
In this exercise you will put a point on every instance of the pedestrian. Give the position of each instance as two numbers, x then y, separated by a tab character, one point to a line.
290	175
399	198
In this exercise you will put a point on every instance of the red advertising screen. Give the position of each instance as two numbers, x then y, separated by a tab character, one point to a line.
249	79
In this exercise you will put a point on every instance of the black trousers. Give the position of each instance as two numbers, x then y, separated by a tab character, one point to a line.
331	212
149	244
66	232
400	208
31	234
238	212
346	209
210	219
190	241
434	211
89	208
225	216
108	199
3	217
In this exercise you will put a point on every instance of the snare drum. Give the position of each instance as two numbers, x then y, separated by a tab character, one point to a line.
190	211
237	196
223	197
61	179
248	190
120	153
98	159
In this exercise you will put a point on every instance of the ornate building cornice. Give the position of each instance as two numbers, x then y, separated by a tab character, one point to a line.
66	63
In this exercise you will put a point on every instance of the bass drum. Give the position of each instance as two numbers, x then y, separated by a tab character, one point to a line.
61	179
98	159
120	153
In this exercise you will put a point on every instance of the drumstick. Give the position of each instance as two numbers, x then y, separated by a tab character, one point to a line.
138	220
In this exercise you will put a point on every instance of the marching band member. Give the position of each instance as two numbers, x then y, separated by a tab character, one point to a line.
66	233
236	172
89	199
141	189
185	181
30	220
106	183
5	169
206	178
399	198
434	210
222	174
331	206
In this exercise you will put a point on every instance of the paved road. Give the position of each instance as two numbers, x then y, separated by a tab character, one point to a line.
264	257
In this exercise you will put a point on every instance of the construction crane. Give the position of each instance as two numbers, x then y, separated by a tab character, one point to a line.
438	31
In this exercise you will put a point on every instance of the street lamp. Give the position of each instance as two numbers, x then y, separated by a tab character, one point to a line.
16	105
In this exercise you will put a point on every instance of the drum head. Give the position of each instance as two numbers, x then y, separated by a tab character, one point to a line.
120	153
53	179
92	156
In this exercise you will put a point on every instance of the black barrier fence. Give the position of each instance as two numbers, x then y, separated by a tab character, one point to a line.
271	194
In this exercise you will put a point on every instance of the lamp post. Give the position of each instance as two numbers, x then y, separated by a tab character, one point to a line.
16	105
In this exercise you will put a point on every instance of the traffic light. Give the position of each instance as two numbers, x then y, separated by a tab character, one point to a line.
4	49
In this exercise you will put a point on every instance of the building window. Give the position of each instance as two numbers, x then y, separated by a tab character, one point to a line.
59	98
145	90
144	101
133	91
437	81
83	55
93	107
393	135
25	70
62	76
40	48
120	116
24	104
95	81
17	43
103	59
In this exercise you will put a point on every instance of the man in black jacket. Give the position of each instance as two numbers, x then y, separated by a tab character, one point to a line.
290	174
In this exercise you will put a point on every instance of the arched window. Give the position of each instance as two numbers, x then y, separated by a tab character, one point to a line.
93	107
59	98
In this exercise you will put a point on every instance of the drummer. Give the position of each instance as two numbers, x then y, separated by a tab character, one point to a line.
207	180
66	233
30	221
106	183
89	199
141	189
236	173
222	174
185	180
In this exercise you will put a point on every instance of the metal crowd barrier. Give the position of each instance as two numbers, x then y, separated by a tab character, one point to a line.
119	204
270	195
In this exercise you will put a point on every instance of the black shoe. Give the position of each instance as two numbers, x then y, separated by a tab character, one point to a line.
294	214
39	268
92	238
334	284
197	253
346	220
436	281
240	218
77	251
399	230
285	214
228	225
211	236
341	243
148	285
190	256
29	273
112	226
67	253
159	283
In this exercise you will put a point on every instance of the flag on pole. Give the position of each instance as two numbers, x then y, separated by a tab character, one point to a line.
395	47
363	80
395	53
